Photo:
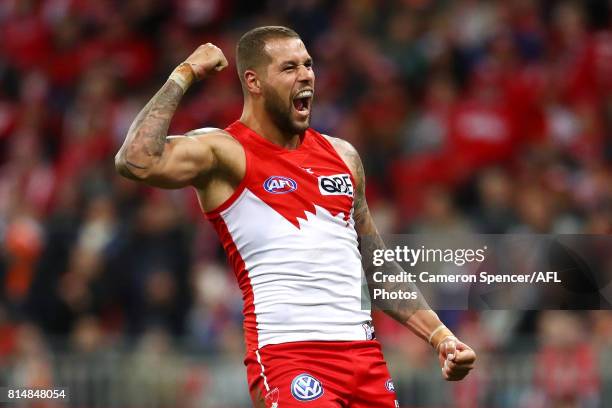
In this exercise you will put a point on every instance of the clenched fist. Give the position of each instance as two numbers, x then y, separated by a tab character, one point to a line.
206	58
456	359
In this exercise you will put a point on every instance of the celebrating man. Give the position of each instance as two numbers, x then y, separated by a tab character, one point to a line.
289	206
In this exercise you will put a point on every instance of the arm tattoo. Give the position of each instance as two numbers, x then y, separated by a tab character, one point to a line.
399	309
369	241
147	134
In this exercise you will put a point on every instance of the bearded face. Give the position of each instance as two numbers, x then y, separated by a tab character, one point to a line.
290	115
288	85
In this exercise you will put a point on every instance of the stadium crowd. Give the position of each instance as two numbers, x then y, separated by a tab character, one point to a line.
470	116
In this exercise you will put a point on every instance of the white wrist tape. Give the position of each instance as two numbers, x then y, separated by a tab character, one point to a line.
180	80
183	76
433	333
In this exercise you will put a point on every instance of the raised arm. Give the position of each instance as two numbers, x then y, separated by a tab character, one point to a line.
456	358
148	154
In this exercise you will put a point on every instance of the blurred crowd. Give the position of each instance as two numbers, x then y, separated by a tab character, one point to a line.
470	116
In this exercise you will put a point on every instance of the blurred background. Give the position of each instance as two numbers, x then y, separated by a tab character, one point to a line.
470	116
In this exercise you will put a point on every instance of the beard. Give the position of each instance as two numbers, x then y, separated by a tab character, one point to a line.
280	113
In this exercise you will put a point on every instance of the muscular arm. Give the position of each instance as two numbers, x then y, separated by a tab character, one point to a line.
150	156
455	357
412	313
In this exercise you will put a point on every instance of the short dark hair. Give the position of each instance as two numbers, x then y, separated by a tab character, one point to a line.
250	53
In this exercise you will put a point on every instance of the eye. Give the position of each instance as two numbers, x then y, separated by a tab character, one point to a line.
308	64
289	68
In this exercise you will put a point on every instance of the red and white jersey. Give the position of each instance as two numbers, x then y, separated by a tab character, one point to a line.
289	234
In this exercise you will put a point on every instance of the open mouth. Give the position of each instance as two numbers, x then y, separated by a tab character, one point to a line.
302	101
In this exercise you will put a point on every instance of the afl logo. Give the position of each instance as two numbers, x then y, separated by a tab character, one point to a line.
279	185
305	387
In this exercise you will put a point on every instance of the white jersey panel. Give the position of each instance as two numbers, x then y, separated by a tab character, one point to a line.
306	281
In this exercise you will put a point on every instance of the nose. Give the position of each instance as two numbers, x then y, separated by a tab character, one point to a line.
306	74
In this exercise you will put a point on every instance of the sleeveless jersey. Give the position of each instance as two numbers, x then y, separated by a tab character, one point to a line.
289	235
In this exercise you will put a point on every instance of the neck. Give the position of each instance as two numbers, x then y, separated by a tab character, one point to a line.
257	119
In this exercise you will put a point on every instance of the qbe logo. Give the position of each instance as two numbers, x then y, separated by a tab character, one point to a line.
337	184
279	185
305	387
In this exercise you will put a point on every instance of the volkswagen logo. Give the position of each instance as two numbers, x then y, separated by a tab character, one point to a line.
305	387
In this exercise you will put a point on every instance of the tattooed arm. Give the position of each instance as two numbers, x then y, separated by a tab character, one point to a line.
148	154
369	239
456	358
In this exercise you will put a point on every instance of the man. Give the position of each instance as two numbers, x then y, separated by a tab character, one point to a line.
289	206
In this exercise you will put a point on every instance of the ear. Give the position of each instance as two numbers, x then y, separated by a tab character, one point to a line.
251	80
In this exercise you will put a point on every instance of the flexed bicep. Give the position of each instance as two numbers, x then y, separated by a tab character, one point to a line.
148	154
184	161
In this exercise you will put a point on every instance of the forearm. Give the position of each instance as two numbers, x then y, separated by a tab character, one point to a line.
400	309
413	313
144	143
427	325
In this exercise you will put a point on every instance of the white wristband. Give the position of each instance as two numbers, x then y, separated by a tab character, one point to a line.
433	333
180	80
183	76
